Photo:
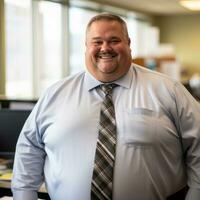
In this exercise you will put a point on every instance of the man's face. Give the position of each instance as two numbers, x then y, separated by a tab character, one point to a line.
108	53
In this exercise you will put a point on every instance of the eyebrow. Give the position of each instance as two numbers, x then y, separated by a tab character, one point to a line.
96	38
99	38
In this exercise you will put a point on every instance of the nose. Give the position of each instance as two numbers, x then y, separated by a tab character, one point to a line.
105	46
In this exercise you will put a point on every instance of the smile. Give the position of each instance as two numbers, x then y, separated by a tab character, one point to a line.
107	55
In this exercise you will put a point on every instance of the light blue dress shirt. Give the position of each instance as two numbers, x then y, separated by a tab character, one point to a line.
58	141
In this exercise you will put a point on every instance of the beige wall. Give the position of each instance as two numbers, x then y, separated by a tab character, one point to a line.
184	32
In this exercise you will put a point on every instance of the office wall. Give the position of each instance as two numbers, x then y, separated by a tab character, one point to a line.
184	32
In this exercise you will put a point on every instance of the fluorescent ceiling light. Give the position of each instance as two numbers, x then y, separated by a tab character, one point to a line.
191	4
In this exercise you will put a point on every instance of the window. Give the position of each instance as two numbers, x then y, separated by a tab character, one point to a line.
78	19
34	46
48	43
18	48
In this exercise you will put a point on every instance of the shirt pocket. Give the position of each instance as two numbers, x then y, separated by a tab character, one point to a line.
139	127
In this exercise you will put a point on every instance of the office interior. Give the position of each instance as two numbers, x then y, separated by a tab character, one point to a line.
42	41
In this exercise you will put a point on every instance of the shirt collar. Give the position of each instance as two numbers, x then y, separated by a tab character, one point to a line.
124	81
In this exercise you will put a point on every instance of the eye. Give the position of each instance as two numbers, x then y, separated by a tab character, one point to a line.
114	41
97	42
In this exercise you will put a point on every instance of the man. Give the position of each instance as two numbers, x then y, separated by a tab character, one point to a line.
157	125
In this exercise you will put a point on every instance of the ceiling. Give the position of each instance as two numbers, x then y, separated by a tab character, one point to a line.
156	7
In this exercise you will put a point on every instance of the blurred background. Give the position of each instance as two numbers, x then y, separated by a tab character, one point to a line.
42	41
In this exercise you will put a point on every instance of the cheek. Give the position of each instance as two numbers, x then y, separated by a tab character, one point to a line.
121	49
124	52
91	51
90	56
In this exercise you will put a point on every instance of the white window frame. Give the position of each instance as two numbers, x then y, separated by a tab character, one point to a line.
37	48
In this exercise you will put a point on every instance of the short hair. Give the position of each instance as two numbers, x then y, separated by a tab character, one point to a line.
108	17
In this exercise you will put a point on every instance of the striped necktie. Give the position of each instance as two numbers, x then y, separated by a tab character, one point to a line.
102	180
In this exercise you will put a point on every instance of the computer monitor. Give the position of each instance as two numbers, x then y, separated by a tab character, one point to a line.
11	123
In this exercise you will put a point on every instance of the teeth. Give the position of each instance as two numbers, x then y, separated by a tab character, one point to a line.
106	56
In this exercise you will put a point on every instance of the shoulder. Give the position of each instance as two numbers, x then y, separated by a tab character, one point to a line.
59	89
157	84
146	76
139	70
64	84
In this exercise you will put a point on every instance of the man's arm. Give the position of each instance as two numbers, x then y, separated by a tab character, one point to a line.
193	194
29	161
188	121
22	195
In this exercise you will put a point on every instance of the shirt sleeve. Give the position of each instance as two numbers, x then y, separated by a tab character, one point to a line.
193	194
28	195
188	123
29	160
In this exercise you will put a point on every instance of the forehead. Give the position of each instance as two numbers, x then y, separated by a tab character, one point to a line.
105	27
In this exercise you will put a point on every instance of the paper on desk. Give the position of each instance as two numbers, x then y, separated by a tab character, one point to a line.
6	176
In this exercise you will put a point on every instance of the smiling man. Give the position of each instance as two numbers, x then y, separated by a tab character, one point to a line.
115	132
108	53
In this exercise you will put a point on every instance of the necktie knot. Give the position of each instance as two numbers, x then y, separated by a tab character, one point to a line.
107	88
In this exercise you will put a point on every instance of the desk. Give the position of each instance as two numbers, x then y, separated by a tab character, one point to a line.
5	184
5	190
